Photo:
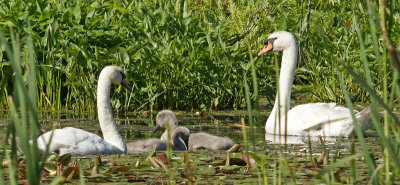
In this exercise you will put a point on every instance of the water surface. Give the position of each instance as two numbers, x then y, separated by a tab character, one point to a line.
205	165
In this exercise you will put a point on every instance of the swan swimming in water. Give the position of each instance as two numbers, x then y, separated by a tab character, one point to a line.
314	119
179	141
79	142
179	135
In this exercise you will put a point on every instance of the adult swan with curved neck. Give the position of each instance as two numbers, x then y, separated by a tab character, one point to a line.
314	119
76	141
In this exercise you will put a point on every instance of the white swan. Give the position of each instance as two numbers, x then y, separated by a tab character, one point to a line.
76	141
325	119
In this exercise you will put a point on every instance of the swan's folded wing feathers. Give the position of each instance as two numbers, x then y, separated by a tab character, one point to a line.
315	115
74	141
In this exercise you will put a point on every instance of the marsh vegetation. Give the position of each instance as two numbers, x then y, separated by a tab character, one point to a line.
198	56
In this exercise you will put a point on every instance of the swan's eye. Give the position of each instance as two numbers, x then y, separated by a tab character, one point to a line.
271	40
123	75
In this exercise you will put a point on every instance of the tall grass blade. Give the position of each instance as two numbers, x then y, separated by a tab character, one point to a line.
386	143
249	110
339	163
23	113
372	17
257	104
357	128
369	159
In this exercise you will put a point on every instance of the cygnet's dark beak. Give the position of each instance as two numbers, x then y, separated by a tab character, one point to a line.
124	84
185	141
156	128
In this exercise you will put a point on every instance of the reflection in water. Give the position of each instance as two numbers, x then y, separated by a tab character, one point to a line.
281	139
134	127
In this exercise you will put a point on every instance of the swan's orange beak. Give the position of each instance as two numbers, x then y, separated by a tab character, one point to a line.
267	48
124	84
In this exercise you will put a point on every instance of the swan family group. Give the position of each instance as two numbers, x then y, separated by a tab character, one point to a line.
77	141
313	119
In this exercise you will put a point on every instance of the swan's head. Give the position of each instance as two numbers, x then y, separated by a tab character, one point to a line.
166	118
278	41
180	136
117	76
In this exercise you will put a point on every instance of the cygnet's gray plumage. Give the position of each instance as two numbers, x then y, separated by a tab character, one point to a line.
202	140
165	119
179	141
180	138
180	135
197	141
146	146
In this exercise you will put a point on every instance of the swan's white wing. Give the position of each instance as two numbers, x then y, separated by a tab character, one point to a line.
74	141
320	119
316	113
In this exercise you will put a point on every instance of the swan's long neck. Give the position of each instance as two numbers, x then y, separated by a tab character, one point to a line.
282	100
107	122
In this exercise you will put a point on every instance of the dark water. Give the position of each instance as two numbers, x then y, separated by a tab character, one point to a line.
204	164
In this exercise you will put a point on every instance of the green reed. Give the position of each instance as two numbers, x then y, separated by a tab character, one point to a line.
183	54
173	51
388	145
23	108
